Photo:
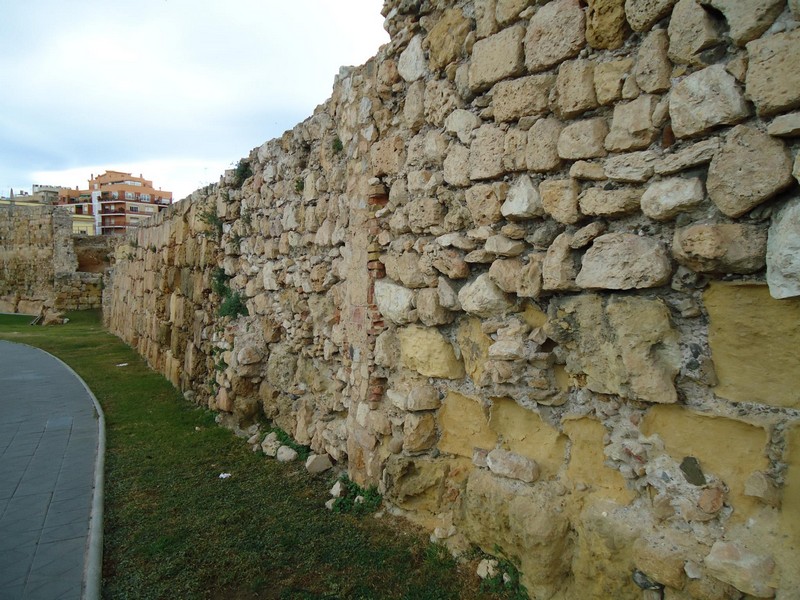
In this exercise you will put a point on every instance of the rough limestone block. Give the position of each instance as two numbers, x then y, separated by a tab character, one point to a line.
429	310
419	432
542	151
513	276
512	465
750	168
773	79
583	139
483	298
624	261
624	345
423	397
555	33
522	97
635	167
785	125
643	14
755	360
747	571
318	463
497	57
575	88
387	156
691	30
523	201
608	79
484	202
691	156
500	245
721	248
412	64
486	153
560	266
429	353
704	100
599	202
455	169
653	69
463	123
666	199
747	19
515	148
783	251
446	39
606	27
464	426
632	125
560	199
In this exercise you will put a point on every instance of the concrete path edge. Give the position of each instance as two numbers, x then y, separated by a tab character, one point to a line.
93	563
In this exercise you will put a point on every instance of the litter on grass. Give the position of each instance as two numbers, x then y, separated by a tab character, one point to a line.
224	475
122	365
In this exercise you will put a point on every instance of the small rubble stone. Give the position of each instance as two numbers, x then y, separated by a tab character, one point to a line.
561	265
704	100
485	201
395	302
555	33
523	201
286	454
691	30
583	139
773	81
599	202
632	125
513	466
560	199
429	310
643	14
747	571
691	156
423	397
318	463
584	236
785	125
783	251
412	64
483	298
271	444
721	248
500	245
634	167
606	27
487	568
446	39
608	79
462	123
623	261
750	168
653	69
419	432
587	170
496	57
542	150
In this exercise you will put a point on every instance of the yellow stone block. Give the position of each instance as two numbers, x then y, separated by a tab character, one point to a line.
729	449
790	514
464	426
474	345
754	343
524	432
428	352
586	461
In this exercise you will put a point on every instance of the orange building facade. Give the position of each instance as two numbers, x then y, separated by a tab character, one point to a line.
117	201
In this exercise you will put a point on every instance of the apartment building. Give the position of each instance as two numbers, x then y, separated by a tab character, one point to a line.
115	202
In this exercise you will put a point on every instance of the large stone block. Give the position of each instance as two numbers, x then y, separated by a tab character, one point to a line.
575	88
608	79
753	340
560	199
497	57
691	30
606	27
773	78
485	201
721	247
555	33
632	125
483	298
666	199
395	302
643	14
464	426
486	153
750	168
412	64
653	69
689	433
542	151
446	39
583	139
429	353
747	19
474	345
600	202
624	345
624	261
522	97
783	251
704	100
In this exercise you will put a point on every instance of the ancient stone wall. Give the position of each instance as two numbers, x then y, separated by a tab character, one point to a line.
534	270
39	266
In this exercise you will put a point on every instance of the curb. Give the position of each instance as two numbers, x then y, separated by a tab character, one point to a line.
93	561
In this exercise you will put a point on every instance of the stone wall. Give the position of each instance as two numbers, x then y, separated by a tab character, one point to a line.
39	266
533	270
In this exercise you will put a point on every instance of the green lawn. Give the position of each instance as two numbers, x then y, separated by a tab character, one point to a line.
174	530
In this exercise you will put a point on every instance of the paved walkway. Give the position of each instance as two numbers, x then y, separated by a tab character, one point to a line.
48	449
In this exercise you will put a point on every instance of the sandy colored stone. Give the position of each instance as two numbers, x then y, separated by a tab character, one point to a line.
474	345
773	79
643	14
428	308
632	125
512	465
542	151
587	170
464	425
560	199
634	167
691	30
697	154
790	513
507	11
785	125
624	345
783	251
484	202
522	97
666	199
497	57
412	64
388	156
455	169
486	153
661	556
653	70
428	352
517	277
750	168
555	33
599	202
419	432
608	79
463	123
747	19
523	200
446	39
606	27
623	261
704	100
575	88
561	265
483	298
734	564
500	245
755	360
583	139
721	247
515	148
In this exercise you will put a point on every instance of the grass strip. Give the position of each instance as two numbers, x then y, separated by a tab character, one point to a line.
174	529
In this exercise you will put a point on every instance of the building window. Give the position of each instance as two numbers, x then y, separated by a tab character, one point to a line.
144	197
128	195
133	209
115	195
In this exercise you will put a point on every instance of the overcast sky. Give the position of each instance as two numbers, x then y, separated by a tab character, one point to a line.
177	90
